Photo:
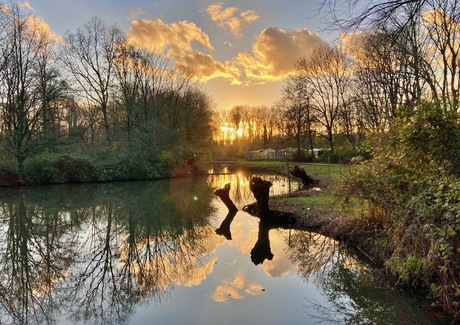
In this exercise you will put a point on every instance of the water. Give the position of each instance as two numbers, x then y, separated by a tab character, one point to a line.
148	253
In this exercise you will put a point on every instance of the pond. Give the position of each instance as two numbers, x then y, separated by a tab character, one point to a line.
167	252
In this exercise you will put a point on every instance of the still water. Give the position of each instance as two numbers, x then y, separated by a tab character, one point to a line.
149	253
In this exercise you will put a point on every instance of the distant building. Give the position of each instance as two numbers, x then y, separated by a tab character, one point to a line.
279	154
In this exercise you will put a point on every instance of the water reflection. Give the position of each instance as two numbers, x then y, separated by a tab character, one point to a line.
262	250
101	253
99	250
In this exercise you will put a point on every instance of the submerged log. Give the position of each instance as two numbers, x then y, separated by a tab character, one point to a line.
302	174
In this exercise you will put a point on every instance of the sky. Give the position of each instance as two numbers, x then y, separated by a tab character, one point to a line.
242	50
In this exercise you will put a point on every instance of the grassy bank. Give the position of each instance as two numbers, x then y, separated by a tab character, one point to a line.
420	255
322	203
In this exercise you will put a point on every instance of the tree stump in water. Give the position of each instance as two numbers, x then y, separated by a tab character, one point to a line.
261	191
302	174
224	195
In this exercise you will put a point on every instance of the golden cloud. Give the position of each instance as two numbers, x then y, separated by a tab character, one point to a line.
39	25
204	66
136	12
228	18
272	57
275	53
177	40
26	4
236	287
157	34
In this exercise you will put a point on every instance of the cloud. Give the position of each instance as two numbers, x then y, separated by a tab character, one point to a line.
26	4
136	12
178	40
39	25
231	18
272	57
275	52
236	288
157	34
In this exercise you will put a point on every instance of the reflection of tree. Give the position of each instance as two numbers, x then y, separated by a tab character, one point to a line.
224	228
139	248
261	250
98	250
311	251
32	262
224	195
355	291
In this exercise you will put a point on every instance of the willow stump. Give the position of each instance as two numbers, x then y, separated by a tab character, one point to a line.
224	195
302	174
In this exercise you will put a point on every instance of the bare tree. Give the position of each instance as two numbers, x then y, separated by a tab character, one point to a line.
298	114
89	55
21	54
326	78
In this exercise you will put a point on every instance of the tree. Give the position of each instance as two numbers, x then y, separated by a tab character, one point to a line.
326	77
89	55
22	44
298	114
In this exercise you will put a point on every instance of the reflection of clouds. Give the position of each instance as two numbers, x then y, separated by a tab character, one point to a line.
195	276
244	236
280	264
236	288
169	264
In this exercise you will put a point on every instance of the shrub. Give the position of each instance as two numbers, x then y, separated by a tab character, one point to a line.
412	182
50	168
9	176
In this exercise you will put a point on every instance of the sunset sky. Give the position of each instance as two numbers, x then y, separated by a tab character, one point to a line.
241	49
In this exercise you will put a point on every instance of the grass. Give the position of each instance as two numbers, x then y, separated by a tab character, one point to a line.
334	172
324	204
320	199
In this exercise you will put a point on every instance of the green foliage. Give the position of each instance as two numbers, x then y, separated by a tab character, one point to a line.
51	168
55	168
9	175
120	166
412	182
302	156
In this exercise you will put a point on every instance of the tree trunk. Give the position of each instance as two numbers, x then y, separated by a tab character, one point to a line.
261	190
224	228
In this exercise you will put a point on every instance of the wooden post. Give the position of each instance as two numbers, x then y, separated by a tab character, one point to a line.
289	178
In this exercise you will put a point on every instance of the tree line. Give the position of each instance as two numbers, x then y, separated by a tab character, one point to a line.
93	91
355	89
399	101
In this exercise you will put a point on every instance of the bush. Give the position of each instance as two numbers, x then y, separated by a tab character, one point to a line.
51	168
9	176
412	181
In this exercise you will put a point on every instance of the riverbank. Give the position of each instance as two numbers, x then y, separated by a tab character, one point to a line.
324	210
316	208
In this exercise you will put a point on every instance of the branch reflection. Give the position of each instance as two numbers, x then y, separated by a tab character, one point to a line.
31	261
102	250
